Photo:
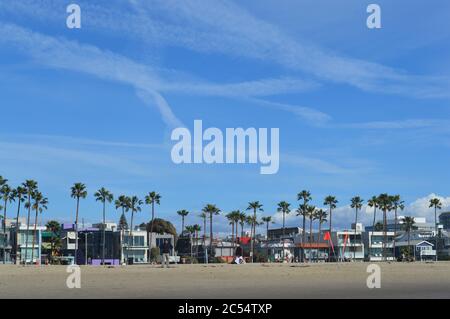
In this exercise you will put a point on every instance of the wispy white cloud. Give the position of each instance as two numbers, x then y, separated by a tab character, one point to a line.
400	124
222	26
225	27
420	207
317	164
70	140
149	85
51	157
70	55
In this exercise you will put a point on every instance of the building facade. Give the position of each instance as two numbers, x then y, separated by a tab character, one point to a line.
375	250
444	220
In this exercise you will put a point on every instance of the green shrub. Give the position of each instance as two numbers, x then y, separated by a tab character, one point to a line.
154	254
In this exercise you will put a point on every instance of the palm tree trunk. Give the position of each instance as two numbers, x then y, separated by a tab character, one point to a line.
373	228
252	243
331	229
190	240
4	233
232	237
436	231
254	238
210	235
385	235
303	238
196	243
395	231
182	224
318	239
28	228
17	232
34	236
284	231
130	237
123	237
310	239
104	234
204	232
76	231
354	239
151	229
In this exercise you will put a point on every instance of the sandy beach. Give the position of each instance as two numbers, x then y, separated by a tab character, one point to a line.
399	280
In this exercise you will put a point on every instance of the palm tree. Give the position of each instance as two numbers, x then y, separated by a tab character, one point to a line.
211	210
123	203
249	222
436	203
301	211
40	204
103	196
311	212
267	220
331	202
373	202
233	217
385	204
151	199
255	206
30	186
284	208
183	213
134	206
191	231
304	195
54	227
204	216
321	216
229	216
19	194
397	204
408	225
78	191
242	218
6	195
356	203
197	229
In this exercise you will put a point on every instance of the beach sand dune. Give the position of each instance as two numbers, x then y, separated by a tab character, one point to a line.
346	280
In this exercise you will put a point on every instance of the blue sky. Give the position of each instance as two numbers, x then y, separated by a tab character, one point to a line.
360	111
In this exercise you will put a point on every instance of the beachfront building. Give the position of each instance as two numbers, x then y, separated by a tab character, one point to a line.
373	242
348	244
279	251
25	251
419	248
421	225
68	241
286	233
135	248
224	250
444	220
90	247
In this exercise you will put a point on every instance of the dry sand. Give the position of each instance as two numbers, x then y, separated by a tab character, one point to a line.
398	280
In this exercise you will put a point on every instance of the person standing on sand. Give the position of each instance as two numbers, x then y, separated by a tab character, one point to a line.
166	249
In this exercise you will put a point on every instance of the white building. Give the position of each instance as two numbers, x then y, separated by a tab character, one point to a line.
18	238
348	244
374	243
135	247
